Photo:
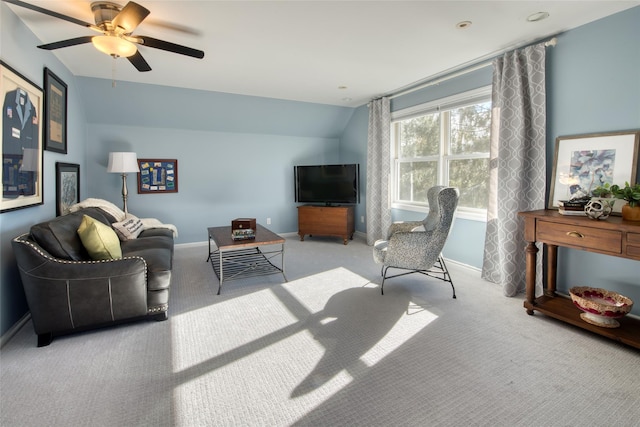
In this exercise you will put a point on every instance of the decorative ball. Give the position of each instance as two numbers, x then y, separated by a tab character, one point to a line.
598	209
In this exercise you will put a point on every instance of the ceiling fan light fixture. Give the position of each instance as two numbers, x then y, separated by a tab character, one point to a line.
114	46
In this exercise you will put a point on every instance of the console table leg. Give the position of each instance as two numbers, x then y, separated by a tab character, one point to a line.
531	255
552	270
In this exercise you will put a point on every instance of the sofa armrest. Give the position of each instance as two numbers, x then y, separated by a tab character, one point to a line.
64	295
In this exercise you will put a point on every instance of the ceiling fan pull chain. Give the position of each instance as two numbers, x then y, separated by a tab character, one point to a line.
113	72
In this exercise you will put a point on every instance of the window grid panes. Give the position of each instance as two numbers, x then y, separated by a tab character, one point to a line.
449	146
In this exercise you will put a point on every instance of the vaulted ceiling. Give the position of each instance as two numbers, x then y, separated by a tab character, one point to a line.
329	52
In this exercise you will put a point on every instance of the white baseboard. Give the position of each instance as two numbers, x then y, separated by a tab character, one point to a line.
470	267
191	245
14	329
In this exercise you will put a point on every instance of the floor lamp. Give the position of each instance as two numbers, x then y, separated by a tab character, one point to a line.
123	163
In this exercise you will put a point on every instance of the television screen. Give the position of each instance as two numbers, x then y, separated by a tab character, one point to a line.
327	184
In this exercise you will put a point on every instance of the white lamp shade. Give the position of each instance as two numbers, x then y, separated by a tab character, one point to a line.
114	46
122	162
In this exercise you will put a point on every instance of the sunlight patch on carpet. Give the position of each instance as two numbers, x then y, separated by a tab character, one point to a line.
291	345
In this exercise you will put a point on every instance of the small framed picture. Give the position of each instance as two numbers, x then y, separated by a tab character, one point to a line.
157	176
584	162
67	186
55	113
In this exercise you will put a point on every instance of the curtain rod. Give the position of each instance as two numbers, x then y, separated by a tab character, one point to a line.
447	75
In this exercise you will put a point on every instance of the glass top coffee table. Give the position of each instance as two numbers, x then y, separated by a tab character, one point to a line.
236	259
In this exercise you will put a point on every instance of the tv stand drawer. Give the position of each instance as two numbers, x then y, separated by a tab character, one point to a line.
326	221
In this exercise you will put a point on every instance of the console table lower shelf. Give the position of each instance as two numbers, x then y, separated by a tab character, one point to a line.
615	237
562	308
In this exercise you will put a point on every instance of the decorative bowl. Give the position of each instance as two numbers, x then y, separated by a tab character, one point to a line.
601	307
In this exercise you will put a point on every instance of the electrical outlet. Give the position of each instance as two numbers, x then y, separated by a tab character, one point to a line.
268	221
362	219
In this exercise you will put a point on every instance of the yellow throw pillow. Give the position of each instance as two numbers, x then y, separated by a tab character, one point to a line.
99	239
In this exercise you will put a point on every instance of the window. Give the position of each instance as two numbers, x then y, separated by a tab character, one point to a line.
443	143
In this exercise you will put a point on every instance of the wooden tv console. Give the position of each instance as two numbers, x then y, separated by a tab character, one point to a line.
326	221
614	236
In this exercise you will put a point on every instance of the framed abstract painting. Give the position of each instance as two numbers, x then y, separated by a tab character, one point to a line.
584	162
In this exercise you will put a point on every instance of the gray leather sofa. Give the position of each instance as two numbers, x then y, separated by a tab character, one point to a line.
68	292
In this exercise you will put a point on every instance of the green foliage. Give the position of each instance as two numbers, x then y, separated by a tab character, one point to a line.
467	130
630	193
602	191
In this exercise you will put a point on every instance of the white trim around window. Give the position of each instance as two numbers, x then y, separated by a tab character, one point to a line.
450	102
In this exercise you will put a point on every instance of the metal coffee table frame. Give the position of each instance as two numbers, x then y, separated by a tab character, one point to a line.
237	259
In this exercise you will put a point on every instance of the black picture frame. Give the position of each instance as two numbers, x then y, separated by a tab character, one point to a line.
55	113
157	176
22	153
67	186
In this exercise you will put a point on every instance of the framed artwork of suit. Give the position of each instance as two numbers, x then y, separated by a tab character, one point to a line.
22	152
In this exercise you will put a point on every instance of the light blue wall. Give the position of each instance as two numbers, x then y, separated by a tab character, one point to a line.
594	86
18	50
222	175
353	149
145	105
235	153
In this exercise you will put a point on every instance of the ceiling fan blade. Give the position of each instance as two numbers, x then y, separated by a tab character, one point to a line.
139	62
131	15
50	13
171	47
66	43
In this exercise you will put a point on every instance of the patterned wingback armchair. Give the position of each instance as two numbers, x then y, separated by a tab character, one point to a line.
416	246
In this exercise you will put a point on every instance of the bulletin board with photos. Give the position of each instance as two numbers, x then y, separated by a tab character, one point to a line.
157	176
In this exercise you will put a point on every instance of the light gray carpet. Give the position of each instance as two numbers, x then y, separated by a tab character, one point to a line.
324	349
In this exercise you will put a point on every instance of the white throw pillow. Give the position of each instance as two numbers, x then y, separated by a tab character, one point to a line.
128	229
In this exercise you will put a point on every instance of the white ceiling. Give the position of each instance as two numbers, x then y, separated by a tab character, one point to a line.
310	50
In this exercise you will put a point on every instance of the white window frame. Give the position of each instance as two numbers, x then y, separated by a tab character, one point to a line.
473	96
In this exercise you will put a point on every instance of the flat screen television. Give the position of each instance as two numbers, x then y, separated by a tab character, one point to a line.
327	184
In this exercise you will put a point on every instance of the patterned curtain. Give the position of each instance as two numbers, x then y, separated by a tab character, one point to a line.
378	170
517	164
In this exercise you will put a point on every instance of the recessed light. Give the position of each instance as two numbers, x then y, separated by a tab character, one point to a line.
342	87
463	24
538	16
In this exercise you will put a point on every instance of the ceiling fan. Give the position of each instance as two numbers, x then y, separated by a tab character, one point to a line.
116	25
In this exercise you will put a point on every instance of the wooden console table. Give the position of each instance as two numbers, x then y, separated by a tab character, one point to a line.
613	236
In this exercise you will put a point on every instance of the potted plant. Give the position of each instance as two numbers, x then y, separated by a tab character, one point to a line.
630	193
602	191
